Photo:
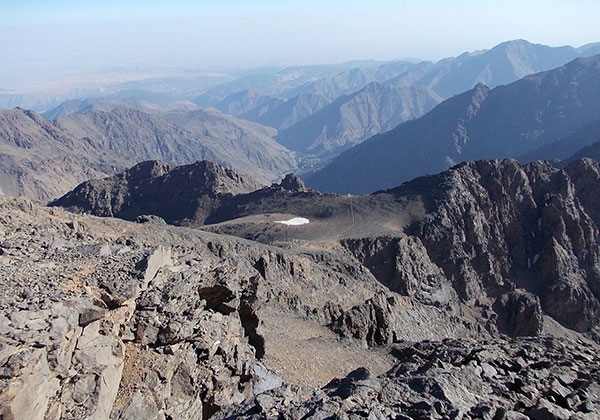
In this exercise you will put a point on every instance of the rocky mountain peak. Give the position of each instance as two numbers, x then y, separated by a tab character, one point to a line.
292	183
186	192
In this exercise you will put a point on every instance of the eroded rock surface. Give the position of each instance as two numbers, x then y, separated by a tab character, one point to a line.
103	318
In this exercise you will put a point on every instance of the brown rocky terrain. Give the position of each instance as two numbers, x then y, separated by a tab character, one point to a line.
106	318
513	241
468	294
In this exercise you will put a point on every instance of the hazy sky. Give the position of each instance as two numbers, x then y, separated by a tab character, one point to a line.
45	35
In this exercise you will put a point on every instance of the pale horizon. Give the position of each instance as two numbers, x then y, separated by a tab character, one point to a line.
52	38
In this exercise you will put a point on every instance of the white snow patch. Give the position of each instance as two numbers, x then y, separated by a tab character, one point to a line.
296	221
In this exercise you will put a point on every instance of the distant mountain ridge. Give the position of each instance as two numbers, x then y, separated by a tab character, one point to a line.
165	125
181	137
80	106
507	121
327	130
352	118
502	64
42	159
295	96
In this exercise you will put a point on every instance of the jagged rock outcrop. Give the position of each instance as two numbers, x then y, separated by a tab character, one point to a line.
403	266
496	226
387	319
194	195
519	313
512	242
292	183
585	174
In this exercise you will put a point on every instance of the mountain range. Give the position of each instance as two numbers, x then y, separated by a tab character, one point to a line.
292	99
502	64
323	131
376	97
507	121
80	106
42	159
352	118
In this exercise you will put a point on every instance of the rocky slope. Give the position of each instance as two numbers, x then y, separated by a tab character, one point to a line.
502	230
522	379
102	318
493	234
507	121
410	307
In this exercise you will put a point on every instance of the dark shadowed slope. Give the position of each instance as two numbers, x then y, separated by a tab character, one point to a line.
564	148
507	121
185	194
591	151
